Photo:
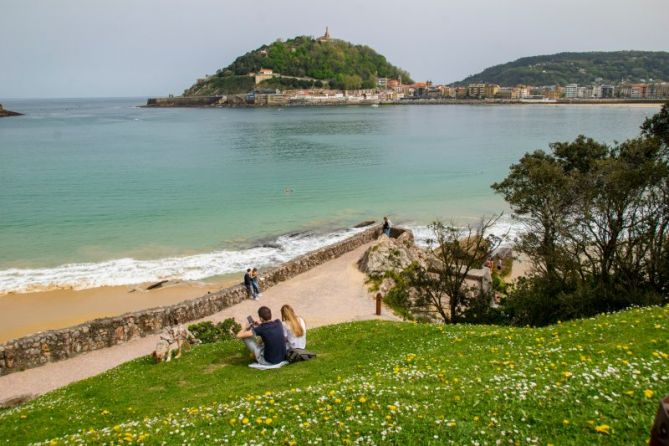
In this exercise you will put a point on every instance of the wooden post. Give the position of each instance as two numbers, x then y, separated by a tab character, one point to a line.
379	299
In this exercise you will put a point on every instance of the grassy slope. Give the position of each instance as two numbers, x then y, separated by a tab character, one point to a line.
381	382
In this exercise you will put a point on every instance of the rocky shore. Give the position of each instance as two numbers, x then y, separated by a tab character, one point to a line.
6	113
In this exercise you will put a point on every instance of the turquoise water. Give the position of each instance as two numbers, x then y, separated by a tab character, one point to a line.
88	181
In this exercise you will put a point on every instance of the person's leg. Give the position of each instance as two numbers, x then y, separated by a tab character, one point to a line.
257	351
253	346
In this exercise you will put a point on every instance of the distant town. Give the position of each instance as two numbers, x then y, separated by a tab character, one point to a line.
392	91
266	87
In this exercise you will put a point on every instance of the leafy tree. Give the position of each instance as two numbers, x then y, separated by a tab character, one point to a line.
440	287
597	220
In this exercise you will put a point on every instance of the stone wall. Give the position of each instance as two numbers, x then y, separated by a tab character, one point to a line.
55	345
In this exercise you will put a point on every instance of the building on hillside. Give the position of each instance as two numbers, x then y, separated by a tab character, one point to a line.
325	37
382	82
571	91
393	83
263	74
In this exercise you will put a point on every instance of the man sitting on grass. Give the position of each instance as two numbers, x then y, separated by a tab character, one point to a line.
273	349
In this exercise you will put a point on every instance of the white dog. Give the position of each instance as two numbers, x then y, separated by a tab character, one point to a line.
173	339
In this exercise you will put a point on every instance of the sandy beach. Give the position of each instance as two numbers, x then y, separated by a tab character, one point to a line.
24	314
330	293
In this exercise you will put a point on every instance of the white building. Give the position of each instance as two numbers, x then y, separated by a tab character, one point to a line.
571	91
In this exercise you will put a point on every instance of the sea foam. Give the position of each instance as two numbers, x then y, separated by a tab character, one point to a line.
128	271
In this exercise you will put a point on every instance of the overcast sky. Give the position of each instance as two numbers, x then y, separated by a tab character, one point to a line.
100	48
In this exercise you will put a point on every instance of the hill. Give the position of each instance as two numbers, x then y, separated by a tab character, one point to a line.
302	62
594	381
580	68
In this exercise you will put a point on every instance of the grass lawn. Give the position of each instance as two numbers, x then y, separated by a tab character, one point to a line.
595	381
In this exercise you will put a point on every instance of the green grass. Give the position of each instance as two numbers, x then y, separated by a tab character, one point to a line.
380	383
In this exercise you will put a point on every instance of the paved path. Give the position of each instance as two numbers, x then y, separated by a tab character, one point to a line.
328	294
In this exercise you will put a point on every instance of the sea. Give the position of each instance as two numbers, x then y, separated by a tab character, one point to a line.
97	192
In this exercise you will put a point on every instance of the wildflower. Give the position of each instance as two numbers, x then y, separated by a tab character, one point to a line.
268	421
648	393
603	429
245	420
362	400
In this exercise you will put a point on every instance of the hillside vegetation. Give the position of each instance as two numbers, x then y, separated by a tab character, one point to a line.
581	68
340	64
594	381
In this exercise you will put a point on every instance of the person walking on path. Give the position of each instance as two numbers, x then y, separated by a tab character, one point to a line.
248	283
386	226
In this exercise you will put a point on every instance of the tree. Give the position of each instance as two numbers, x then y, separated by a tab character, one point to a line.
440	286
597	224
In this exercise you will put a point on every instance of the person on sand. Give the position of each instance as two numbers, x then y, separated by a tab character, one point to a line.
256	283
273	348
386	226
294	328
248	283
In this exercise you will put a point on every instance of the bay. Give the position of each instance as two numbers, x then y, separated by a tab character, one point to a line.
86	181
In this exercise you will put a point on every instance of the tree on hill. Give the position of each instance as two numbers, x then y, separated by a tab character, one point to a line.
340	64
440	285
581	68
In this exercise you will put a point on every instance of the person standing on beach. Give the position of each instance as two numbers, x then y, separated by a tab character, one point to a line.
386	226
248	283
255	280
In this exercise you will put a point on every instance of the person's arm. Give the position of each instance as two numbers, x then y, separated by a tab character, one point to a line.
247	332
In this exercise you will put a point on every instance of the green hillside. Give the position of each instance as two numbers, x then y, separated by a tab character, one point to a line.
594	381
339	64
581	68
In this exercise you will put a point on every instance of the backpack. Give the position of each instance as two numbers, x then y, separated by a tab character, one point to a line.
299	354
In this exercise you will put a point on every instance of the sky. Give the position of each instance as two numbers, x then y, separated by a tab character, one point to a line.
141	48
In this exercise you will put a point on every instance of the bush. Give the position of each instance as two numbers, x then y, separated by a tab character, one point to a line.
207	332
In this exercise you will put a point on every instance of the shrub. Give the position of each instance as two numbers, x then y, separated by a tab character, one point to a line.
207	332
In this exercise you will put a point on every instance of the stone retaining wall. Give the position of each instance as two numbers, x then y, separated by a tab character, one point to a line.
55	345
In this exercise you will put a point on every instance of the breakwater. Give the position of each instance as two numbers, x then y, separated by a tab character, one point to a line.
55	345
6	113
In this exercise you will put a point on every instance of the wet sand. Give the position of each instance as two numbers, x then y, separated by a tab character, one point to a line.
24	314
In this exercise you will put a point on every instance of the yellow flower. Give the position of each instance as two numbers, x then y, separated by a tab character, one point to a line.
392	407
603	429
565	422
648	393
629	392
268	421
245	421
259	420
362	399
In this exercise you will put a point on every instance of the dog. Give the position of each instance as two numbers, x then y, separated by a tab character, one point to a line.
173	339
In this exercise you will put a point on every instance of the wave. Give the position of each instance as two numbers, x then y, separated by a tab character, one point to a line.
128	271
505	228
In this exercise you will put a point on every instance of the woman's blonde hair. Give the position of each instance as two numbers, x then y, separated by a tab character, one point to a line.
288	314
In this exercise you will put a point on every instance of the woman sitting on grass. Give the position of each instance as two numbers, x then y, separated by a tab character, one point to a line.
294	328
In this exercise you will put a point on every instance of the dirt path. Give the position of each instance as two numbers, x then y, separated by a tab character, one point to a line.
328	294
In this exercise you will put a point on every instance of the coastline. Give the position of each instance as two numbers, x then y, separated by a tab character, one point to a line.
240	101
